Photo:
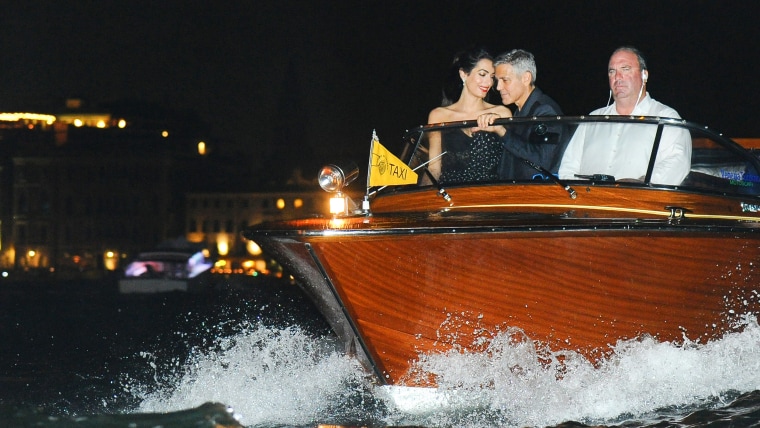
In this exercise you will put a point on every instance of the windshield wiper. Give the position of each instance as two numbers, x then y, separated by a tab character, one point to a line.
441	191
546	173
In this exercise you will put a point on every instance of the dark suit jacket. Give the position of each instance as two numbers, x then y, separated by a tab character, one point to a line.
542	144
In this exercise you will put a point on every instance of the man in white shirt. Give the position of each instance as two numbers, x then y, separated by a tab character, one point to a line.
623	150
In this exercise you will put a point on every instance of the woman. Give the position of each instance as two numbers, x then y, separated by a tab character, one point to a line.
471	155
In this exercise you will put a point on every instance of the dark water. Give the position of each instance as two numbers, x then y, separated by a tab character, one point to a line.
78	354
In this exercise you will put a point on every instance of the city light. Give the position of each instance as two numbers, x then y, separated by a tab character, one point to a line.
15	117
222	244
253	248
110	260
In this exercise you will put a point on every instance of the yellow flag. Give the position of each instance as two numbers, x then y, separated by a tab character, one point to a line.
386	169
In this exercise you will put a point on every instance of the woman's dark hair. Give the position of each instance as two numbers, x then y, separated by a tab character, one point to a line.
465	61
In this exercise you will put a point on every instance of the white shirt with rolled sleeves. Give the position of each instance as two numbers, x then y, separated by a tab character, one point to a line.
622	150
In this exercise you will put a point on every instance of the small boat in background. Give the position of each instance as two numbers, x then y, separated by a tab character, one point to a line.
164	271
573	266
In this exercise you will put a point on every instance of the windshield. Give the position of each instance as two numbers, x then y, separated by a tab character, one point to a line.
647	151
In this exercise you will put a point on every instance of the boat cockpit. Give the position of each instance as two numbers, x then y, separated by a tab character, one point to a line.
652	151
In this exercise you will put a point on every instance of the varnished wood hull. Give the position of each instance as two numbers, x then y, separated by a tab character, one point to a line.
572	274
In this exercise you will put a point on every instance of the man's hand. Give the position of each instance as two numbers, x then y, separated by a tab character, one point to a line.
485	123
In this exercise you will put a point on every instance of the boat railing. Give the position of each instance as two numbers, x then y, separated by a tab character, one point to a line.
718	164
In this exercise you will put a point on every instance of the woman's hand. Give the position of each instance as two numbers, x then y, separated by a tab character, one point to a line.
485	123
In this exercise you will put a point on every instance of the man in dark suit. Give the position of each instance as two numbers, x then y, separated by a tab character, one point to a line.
540	144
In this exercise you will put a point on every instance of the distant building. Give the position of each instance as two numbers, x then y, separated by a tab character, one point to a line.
84	190
87	189
217	219
71	209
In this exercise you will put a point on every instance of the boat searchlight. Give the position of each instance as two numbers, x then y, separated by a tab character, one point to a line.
333	178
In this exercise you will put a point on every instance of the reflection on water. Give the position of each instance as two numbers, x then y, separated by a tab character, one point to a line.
261	358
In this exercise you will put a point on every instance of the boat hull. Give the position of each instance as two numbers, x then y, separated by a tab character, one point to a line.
151	285
566	290
578	275
148	285
394	296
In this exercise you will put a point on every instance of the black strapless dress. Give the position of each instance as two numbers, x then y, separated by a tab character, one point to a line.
470	158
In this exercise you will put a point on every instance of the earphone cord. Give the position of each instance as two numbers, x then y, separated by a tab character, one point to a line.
639	98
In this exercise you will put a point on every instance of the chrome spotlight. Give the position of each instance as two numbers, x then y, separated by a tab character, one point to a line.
334	177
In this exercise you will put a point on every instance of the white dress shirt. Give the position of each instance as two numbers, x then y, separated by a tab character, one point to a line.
622	149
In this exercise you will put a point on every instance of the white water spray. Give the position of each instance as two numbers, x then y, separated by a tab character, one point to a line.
286	377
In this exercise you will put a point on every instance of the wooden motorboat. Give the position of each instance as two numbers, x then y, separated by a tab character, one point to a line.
574	265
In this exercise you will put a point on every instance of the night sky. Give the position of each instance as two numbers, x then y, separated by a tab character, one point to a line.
316	77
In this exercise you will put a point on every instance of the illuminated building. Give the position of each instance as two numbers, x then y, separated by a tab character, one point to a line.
85	190
216	219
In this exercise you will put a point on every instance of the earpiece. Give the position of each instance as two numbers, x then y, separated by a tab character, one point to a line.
644	75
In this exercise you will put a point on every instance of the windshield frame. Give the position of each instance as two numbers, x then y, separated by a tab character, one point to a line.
414	138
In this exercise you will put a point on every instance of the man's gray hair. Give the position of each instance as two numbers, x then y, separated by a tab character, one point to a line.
520	60
631	49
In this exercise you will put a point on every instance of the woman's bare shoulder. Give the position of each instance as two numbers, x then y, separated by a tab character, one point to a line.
439	114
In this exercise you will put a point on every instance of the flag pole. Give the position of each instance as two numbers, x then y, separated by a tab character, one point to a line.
365	202
369	162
